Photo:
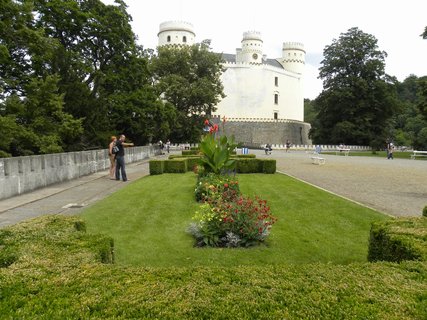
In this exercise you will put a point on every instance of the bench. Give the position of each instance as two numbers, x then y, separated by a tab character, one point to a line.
318	160
342	150
418	154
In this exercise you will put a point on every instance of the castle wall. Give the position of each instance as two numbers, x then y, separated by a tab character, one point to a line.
250	91
254	132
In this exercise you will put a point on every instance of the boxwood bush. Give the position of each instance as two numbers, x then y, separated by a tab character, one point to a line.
268	165
175	166
398	239
156	166
249	165
190	152
59	275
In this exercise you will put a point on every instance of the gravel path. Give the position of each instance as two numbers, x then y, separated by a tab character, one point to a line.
397	187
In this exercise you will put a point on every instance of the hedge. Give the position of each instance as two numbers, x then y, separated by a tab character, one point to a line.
58	275
398	239
190	152
156	166
175	166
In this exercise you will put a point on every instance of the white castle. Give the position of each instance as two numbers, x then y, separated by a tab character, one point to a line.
257	89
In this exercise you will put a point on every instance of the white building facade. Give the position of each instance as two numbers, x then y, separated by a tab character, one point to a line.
261	88
257	89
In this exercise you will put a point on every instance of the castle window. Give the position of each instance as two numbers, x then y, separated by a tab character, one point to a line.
276	98
276	81
169	39
276	116
184	39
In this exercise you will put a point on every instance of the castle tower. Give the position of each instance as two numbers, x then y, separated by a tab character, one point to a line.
176	33
293	57
251	51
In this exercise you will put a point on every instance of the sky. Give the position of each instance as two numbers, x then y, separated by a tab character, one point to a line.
397	25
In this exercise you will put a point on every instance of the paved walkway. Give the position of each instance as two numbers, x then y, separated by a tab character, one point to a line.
396	187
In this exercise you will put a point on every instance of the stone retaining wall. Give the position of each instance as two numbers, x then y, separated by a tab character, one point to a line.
23	174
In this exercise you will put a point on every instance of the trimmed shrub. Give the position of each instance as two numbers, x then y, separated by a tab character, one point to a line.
156	166
248	166
189	152
175	166
244	156
192	162
268	165
398	239
179	156
425	211
194	148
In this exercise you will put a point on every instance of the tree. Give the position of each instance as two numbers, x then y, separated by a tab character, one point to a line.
188	77
37	123
309	111
358	98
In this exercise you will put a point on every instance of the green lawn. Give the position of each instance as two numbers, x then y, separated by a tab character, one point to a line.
381	154
148	218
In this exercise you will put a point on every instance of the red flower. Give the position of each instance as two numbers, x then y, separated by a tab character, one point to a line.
206	122
225	185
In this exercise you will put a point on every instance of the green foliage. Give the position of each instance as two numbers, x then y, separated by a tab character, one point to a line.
211	185
175	166
190	152
232	222
310	111
425	211
37	124
189	78
249	165
59	262
216	154
156	166
226	218
358	98
269	165
399	239
251	156
103	82
192	163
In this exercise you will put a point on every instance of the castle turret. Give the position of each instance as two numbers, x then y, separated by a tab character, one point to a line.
176	33
293	57
251	50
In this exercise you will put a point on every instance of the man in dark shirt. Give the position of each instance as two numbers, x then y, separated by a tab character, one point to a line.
120	157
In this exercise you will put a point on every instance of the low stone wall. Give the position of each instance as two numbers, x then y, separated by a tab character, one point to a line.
23	174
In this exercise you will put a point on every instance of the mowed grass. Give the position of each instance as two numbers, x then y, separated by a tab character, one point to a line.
148	219
379	154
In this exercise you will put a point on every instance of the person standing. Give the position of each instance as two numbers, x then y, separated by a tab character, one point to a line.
288	145
112	156
120	157
168	145
390	149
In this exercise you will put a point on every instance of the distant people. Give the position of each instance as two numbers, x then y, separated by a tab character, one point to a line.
161	146
318	149
112	156
390	150
288	145
120	157
168	145
268	148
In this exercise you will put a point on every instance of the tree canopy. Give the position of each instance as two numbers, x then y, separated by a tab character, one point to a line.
358	98
189	79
